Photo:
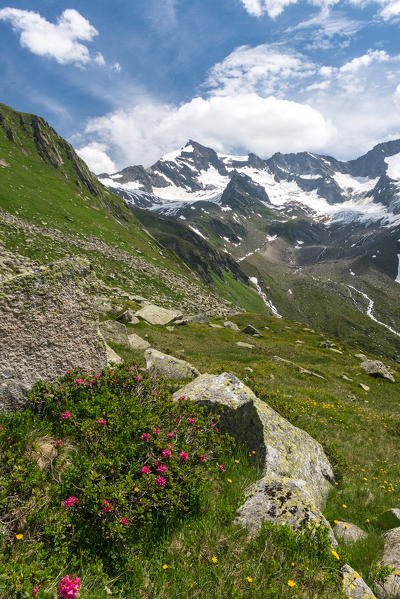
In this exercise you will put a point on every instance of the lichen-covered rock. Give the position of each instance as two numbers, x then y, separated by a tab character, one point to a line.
390	519
282	449
354	586
391	557
48	324
281	501
112	356
377	369
136	342
231	325
155	315
169	366
347	532
193	319
114	332
250	330
242	344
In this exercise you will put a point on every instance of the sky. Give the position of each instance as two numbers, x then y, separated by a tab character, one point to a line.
129	80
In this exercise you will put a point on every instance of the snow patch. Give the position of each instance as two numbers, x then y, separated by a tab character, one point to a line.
393	169
197	231
398	271
263	296
370	308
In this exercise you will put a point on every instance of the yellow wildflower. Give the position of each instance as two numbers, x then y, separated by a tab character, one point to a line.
335	554
249	579
291	583
229	480
214	559
165	567
19	536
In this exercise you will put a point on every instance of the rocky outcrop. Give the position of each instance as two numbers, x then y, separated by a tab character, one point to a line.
157	315
250	330
391	557
228	324
354	586
48	325
136	342
114	332
349	533
193	319
112	356
377	369
128	317
294	465
169	366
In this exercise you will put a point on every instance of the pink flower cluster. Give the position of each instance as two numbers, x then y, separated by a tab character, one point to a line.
160	480
184	456
157	431
125	521
93	380
162	468
79	381
59	442
35	591
190	420
170	435
107	507
69	588
71	501
221	467
203	458
145	470
146	436
166	453
66	415
101	422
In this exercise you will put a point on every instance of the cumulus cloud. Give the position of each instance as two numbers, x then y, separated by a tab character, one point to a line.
95	156
389	9
61	41
274	8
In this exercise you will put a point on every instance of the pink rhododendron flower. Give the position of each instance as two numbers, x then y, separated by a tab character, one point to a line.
171	447
184	456
157	463
69	588
166	453
107	507
170	435
183	397
154	393
125	521
59	442
101	422
79	381
221	467
35	591
157	431
71	501
160	480
66	415
146	436
69	372
145	470
1	428
203	458
162	468
190	420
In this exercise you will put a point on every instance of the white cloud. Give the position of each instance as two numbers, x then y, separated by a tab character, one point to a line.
389	9
116	67
274	8
353	66
60	41
95	156
397	96
99	58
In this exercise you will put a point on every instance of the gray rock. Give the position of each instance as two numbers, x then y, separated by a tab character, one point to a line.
282	450
346	378
242	344
391	557
136	342
47	327
354	586
158	316
364	387
360	356
114	332
169	366
170	329
248	369
215	326
231	325
112	356
327	344
193	319
250	330
349	533
390	519
128	317
377	369
103	306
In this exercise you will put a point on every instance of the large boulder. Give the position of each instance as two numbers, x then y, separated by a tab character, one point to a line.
281	449
377	369
136	342
112	356
128	317
250	330
114	332
390	519
349	533
280	501
193	319
169	366
228	324
48	324
156	315
354	586
391	557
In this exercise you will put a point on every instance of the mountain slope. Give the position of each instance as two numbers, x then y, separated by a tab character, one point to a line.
53	207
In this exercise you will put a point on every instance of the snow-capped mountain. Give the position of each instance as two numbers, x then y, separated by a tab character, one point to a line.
366	189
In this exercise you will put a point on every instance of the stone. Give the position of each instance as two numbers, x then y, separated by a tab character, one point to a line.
250	330
391	557
48	325
282	450
327	344
360	356
242	344
248	369
169	366
390	519
334	349
377	369
170	329
215	326
103	306
364	387
193	319
156	315
347	532
112	356
114	332
280	501
346	378
300	368
136	342
354	586
299	342
128	317
231	325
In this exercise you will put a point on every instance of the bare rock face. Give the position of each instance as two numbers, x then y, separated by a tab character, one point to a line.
377	369
391	557
114	332
349	533
157	315
48	324
169	366
354	586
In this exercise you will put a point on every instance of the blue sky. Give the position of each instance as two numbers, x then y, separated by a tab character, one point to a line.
130	80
